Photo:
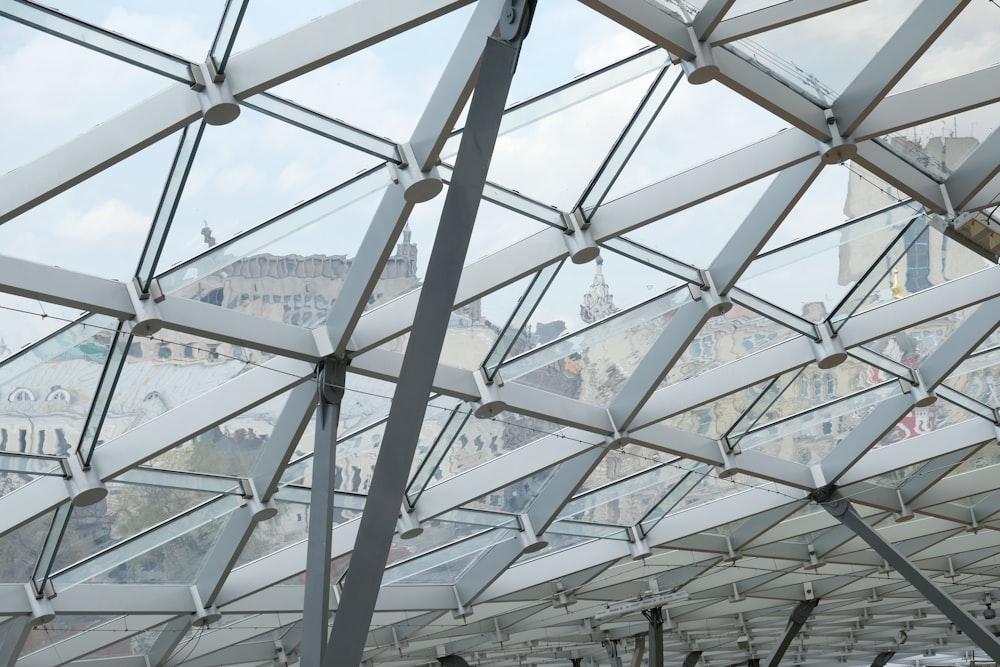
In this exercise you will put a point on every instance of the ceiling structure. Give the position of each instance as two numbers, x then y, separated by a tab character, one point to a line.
794	200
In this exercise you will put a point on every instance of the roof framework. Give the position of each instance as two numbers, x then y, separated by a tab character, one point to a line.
685	468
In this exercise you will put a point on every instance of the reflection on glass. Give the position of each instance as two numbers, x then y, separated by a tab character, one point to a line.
46	391
20	548
978	377
912	242
430	460
808	437
170	552
727	337
446	564
333	207
764	402
626	502
595	348
921	421
681	488
512	331
832	260
515	498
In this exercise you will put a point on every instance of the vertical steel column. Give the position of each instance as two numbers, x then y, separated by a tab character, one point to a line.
798	618
316	605
841	509
655	618
430	324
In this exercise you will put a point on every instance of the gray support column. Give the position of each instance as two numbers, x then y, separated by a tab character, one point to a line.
798	618
842	510
430	325
316	606
893	60
655	618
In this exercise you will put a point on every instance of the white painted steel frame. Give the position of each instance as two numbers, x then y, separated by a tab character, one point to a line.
864	112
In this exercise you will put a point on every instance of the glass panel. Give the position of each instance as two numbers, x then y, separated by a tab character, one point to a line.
129	511
714	418
236	274
955	39
566	146
19	549
430	460
515	327
99	226
912	345
681	235
761	405
183	27
515	498
661	88
46	391
167	553
725	338
798	54
593	351
164	371
445	565
977	377
833	260
689	479
627	502
385	86
48	71
810	436
921	421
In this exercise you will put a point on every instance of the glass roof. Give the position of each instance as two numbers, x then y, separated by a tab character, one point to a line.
516	341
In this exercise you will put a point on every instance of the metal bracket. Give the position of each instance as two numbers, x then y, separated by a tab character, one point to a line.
702	68
530	541
407	525
418	186
840	149
715	304
202	616
85	485
259	511
516	20
41	609
218	104
490	404
829	349
638	546
579	240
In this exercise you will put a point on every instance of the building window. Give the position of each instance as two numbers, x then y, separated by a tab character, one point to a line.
21	394
58	394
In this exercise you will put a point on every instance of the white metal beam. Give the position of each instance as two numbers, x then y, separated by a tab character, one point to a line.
773	17
67	288
924	25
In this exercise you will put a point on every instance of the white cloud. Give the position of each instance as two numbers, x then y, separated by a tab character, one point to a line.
110	219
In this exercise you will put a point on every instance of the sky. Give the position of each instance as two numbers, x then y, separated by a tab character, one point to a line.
257	167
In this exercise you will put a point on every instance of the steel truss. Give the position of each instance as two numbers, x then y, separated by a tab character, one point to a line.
766	574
